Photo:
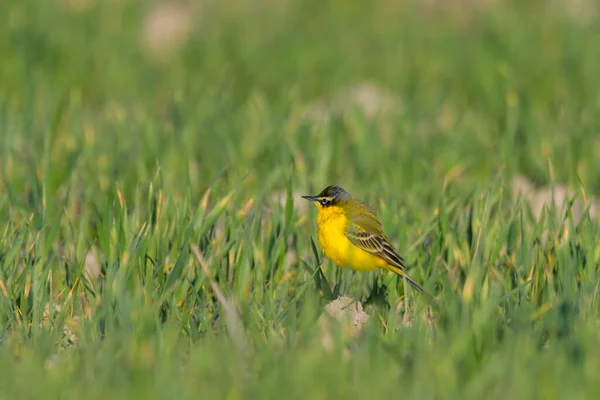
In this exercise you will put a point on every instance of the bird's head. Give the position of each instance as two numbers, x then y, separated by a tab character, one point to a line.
330	196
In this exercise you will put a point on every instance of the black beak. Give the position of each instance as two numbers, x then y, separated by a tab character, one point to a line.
311	198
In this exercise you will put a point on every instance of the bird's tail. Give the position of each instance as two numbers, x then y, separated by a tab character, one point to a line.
410	280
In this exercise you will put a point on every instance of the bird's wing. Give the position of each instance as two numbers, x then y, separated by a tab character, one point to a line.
365	232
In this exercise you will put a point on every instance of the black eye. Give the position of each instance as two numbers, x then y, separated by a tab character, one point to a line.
325	202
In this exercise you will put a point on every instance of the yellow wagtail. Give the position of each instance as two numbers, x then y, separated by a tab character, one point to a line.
351	235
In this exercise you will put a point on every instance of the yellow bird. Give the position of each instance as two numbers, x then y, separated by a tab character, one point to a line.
351	235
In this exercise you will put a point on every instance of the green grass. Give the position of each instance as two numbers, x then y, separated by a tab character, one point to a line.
111	154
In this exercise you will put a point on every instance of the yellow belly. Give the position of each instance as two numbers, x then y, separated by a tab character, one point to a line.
340	250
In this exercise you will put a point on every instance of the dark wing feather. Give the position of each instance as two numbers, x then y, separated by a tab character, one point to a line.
364	230
374	243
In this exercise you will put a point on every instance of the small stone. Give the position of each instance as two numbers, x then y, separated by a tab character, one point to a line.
347	312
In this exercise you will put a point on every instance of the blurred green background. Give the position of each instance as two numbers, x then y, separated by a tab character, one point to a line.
130	130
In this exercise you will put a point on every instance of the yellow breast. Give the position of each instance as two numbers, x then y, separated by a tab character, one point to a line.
338	248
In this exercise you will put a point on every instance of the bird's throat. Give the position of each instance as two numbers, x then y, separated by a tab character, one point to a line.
330	214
